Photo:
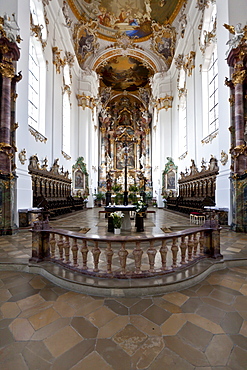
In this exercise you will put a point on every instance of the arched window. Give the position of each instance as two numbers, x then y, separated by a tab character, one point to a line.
213	93
182	114
209	72
37	72
183	125
66	110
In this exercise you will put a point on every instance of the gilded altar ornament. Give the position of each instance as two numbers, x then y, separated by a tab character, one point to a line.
84	101
14	126
223	158
183	155
123	42
239	150
208	37
189	63
7	70
209	138
232	100
69	58
57	60
238	77
22	156
179	61
7	149
37	135
182	92
36	31
228	82
66	156
4	49
202	4
164	103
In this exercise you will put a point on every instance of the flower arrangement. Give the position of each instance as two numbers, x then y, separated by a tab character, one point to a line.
140	206
117	219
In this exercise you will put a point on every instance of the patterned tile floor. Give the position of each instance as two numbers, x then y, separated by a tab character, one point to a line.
43	326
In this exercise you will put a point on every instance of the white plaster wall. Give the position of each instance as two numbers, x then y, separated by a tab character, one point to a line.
237	11
168	130
223	187
24	183
82	135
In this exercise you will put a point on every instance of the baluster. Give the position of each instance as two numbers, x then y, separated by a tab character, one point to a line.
163	253
96	253
109	254
195	239
201	243
183	247
60	247
84	252
66	246
137	252
174	249
151	255
190	247
53	245
123	257
75	252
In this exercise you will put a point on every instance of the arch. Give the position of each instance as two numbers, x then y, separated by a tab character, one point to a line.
132	53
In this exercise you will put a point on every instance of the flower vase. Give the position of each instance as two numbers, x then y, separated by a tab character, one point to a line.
116	231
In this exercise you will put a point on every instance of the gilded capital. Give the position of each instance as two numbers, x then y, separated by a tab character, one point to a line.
7	70
238	77
7	149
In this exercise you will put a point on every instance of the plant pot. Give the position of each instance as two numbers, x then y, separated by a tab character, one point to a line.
116	231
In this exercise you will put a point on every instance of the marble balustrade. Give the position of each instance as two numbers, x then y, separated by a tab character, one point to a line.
124	256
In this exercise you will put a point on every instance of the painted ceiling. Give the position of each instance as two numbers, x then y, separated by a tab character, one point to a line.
138	32
124	73
134	17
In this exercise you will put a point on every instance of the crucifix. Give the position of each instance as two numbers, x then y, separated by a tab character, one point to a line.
125	201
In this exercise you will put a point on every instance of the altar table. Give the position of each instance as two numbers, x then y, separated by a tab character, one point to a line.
126	224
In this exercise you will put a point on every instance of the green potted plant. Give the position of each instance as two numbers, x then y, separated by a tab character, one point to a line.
116	188
133	189
100	197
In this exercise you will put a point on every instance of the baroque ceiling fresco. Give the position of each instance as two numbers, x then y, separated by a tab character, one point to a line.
125	40
124	73
134	17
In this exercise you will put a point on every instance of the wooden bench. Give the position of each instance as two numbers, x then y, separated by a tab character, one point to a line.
106	213
152	212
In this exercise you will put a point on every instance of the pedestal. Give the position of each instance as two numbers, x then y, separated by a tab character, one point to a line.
108	198
7	205
139	223
126	223
239	194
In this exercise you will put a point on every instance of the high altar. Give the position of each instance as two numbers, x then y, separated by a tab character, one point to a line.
125	137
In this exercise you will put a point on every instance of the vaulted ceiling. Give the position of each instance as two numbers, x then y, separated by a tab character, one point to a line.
125	41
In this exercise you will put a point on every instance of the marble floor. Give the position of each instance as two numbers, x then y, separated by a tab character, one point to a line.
43	326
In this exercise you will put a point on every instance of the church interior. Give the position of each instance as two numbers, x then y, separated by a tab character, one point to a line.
123	184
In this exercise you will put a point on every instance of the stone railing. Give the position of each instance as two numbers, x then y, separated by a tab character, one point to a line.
124	256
